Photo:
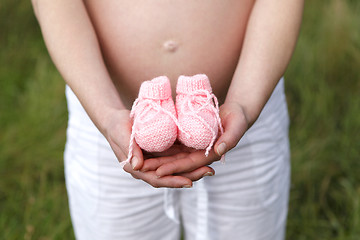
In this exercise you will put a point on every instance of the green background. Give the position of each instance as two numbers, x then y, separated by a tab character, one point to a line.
323	92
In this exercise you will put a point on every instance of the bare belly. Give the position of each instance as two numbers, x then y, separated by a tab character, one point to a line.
143	39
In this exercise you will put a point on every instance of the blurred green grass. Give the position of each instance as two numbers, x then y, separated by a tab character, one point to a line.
323	90
33	202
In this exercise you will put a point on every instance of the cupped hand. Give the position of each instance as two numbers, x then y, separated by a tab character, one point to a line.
235	124
118	131
179	180
176	148
182	164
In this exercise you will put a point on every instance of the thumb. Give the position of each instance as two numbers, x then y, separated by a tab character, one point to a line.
235	125
137	159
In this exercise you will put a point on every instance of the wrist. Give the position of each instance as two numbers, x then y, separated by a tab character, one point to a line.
250	114
110	117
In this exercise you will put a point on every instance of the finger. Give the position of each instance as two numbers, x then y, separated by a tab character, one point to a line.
235	125
120	145
137	159
153	163
173	150
121	150
147	155
166	181
198	173
191	162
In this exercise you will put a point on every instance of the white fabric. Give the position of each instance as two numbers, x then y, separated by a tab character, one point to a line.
246	199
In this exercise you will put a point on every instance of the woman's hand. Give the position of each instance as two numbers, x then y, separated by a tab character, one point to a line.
180	180
235	124
118	131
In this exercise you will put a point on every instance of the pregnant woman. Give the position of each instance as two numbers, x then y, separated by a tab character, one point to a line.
105	49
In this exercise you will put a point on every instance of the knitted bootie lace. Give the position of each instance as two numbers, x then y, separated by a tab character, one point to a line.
154	117
198	112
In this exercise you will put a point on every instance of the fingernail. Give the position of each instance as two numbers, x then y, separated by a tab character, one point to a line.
134	162
186	186
208	174
221	149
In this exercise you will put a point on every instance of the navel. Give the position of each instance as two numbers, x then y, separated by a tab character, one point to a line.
171	46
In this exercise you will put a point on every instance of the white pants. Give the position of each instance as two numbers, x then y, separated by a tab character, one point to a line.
246	199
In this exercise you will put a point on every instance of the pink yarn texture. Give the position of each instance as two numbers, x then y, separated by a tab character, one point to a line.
154	117
156	123
198	112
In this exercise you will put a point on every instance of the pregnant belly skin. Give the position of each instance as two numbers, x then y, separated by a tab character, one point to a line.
144	39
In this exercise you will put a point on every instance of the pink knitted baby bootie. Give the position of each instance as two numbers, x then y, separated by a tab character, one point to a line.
154	117
198	112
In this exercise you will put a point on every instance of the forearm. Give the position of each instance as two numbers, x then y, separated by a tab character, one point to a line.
74	48
269	42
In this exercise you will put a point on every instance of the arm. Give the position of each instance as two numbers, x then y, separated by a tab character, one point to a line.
269	42
74	48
